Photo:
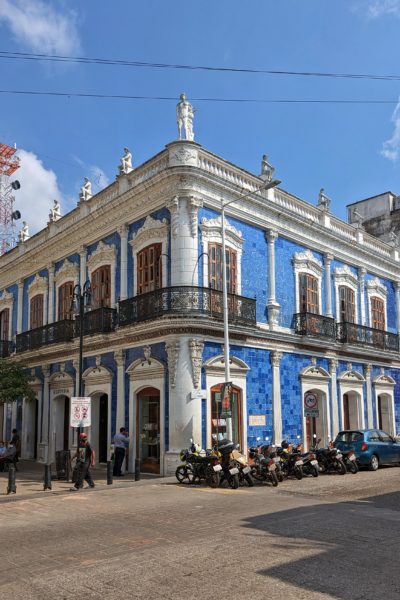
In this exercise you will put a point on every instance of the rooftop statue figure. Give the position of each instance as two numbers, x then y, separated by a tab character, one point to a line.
55	212
24	233
323	200
86	191
267	170
126	162
184	117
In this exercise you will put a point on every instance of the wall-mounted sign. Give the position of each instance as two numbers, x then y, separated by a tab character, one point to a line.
60	391
311	412
198	394
255	420
80	412
310	400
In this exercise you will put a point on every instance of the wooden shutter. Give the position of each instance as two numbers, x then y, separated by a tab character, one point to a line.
4	324
215	268
149	269
36	312
308	291
65	293
377	313
347	305
101	287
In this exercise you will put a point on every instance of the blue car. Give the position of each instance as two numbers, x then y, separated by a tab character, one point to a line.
372	447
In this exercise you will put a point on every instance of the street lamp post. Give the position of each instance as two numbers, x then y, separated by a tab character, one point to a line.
265	186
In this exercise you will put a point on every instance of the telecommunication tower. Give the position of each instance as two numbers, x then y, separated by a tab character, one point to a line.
9	164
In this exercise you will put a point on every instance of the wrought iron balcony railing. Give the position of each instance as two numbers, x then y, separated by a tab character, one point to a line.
99	320
53	333
314	325
6	348
186	301
352	333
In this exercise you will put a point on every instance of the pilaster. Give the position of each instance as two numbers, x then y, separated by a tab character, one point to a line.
273	306
119	357
328	284
82	263
368	386
20	305
275	358
361	281
46	405
123	233
333	365
50	312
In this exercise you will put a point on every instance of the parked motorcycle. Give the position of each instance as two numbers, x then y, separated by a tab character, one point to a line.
244	469
291	461
329	459
263	468
310	464
197	467
269	451
350	461
230	470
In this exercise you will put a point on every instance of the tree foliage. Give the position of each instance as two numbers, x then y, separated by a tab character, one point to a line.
14	382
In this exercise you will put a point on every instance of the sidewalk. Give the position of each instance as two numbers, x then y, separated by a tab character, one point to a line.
30	475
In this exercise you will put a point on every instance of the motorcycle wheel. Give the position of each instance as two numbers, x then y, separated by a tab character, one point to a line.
184	474
340	467
315	472
234	481
274	478
249	480
213	479
298	472
352	467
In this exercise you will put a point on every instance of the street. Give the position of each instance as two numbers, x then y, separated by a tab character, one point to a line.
331	537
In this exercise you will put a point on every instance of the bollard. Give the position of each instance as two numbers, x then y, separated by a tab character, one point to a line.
11	488
47	478
110	467
137	469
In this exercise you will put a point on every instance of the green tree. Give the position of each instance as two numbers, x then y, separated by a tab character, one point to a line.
14	382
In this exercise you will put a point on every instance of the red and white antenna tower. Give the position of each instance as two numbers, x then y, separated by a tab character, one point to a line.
9	164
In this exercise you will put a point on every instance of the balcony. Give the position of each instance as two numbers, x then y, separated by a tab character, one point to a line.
351	333
186	301
314	325
53	333
99	320
6	348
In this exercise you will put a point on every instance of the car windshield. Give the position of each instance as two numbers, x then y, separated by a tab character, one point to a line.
349	436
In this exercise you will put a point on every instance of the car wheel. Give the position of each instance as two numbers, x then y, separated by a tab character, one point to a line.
374	464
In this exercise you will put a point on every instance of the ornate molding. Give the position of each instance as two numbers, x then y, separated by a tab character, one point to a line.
307	261
367	371
374	286
183	156
173	206
333	365
119	357
150	230
6	301
68	270
344	275
271	235
194	205
103	255
196	355
38	286
172	349
211	229
275	358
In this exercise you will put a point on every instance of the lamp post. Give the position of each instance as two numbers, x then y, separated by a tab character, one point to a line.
265	186
81	299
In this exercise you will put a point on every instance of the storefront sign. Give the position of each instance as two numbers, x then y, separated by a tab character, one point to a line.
80	412
309	412
198	394
256	420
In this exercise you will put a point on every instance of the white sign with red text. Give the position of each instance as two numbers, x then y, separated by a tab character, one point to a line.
80	412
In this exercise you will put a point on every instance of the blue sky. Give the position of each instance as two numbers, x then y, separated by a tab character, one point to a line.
353	151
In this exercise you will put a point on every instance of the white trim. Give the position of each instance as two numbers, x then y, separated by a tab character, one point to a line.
7	301
384	384
104	255
376	288
153	231
317	379
343	276
352	382
306	262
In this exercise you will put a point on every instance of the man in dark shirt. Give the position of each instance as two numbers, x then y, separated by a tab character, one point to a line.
85	458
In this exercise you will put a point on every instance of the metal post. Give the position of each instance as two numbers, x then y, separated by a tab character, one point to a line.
225	311
80	363
47	478
11	488
137	469
110	472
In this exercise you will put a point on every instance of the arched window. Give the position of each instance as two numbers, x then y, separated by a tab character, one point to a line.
65	293
347	304
36	311
377	313
4	324
101	287
215	267
149	275
308	292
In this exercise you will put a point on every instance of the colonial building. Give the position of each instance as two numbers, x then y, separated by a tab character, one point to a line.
313	305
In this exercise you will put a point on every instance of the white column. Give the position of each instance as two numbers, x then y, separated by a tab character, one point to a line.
273	306
20	305
13	415
333	364
123	292
184	239
46	400
119	357
276	397
328	285
50	313
82	271
361	282
398	306
368	386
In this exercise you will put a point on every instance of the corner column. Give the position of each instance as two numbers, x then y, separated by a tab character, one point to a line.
398	306
20	305
123	291
328	284
361	282
333	365
273	306
45	405
50	312
184	239
82	265
368	386
275	358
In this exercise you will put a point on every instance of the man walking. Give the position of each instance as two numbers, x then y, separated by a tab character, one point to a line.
85	458
121	443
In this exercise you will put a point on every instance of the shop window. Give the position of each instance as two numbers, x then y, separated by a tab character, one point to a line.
308	289
101	287
149	275
65	295
36	311
218	421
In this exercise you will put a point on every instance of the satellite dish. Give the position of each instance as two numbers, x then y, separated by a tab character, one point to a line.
16	215
16	185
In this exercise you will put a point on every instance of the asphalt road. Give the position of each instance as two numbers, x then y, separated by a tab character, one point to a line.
331	537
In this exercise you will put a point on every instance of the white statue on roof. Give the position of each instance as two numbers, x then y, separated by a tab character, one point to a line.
323	200
184	118
24	233
55	212
267	170
86	190
126	162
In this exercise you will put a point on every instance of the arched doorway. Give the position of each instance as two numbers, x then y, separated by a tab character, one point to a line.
352	418
316	417
218	421
384	408
61	407
148	430
99	427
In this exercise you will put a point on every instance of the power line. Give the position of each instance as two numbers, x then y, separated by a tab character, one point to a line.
150	65
173	98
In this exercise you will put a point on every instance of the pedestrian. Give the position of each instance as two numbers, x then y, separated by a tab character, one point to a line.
121	443
16	442
85	458
3	452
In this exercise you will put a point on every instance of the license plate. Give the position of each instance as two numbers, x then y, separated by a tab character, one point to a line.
271	467
246	470
234	471
352	457
314	462
217	468
339	455
277	459
298	463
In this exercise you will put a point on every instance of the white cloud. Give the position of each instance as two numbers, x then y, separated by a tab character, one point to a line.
378	8
391	148
38	190
96	175
39	26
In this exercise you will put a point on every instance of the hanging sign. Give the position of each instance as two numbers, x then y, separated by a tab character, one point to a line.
226	408
80	412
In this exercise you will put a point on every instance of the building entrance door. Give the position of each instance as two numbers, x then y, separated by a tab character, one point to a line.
218	424
148	430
